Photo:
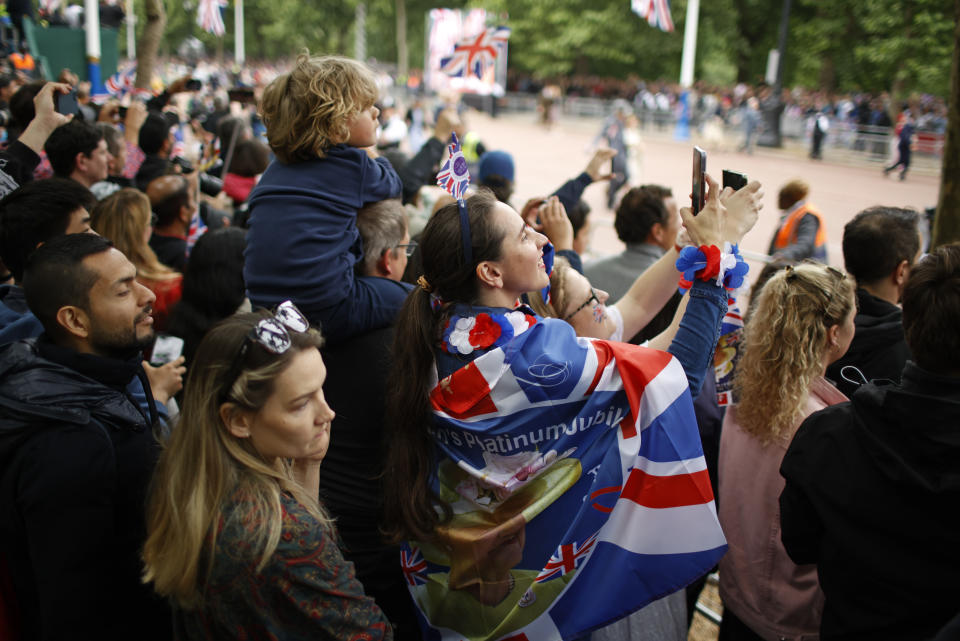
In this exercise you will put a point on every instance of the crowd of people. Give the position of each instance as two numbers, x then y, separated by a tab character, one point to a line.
416	414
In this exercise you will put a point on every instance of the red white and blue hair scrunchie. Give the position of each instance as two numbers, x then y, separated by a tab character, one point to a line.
708	262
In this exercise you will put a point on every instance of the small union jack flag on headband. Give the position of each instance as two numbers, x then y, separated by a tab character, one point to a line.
656	12
475	53
454	176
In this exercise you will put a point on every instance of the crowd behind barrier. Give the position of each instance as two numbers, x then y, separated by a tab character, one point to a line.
496	429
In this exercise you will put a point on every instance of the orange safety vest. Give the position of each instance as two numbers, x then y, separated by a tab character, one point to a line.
787	234
22	62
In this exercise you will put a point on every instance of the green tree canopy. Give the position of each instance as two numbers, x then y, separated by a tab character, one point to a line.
899	45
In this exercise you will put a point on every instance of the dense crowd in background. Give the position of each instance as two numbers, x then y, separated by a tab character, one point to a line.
272	280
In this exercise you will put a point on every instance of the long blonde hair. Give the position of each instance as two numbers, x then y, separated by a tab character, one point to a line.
204	466
306	110
124	217
784	345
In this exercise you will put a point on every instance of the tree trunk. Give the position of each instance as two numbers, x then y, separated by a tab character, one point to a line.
946	225
150	42
402	40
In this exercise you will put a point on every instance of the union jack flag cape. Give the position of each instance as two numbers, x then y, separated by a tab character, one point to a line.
475	53
636	521
656	12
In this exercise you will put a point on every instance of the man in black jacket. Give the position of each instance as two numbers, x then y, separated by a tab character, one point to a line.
872	486
76	452
880	245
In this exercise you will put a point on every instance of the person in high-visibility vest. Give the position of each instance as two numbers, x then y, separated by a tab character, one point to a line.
802	232
23	61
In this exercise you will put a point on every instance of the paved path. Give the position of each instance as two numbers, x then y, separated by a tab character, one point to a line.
545	159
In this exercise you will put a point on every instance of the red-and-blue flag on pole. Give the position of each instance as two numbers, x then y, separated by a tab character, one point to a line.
475	53
656	12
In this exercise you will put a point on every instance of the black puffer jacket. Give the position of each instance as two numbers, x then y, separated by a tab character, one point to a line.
76	456
872	495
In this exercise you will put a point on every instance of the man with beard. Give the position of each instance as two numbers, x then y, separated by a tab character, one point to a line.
76	452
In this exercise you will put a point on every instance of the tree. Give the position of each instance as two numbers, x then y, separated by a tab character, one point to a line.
149	42
946	225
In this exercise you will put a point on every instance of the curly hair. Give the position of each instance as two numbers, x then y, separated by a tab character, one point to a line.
306	110
784	344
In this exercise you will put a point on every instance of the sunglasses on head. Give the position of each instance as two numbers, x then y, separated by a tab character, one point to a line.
272	334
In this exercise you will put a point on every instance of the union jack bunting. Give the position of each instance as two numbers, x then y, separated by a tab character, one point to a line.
454	176
413	566
567	558
656	12
475	53
121	82
209	17
577	484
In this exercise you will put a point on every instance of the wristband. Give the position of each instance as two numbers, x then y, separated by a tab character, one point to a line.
727	268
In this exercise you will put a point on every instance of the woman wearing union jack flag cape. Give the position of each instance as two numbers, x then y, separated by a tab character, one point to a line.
546	484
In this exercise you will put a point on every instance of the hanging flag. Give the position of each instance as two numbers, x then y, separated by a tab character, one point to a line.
656	12
476	53
209	17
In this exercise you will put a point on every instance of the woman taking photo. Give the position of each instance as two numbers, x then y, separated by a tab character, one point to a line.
125	218
801	322
236	538
493	399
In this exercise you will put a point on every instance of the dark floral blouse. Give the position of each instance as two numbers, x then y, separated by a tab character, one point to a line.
307	590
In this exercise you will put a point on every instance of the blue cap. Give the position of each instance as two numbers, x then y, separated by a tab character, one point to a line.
498	163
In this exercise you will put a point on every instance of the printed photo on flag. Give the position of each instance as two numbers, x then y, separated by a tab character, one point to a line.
577	485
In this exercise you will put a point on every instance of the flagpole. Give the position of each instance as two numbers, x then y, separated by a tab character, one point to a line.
689	43
239	54
91	12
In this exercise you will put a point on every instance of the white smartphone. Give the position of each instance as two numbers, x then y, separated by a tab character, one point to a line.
166	349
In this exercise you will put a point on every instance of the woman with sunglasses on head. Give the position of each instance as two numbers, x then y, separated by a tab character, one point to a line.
236	537
484	384
801	322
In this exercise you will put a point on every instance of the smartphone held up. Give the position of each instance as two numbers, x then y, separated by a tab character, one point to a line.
698	192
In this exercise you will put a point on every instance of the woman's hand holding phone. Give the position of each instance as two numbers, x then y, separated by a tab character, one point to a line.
743	209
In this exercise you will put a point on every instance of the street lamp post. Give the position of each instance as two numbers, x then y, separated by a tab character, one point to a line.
772	108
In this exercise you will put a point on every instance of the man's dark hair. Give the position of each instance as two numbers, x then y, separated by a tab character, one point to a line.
168	209
21	104
56	277
66	141
35	213
877	240
578	215
153	133
638	211
931	311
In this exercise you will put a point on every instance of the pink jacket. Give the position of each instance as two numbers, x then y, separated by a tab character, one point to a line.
758	582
